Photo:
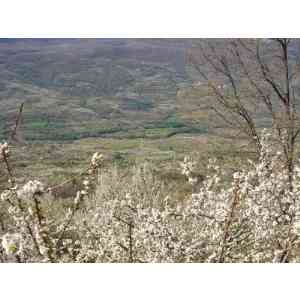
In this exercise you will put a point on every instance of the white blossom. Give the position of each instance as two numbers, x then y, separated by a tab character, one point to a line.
30	189
11	243
4	150
96	159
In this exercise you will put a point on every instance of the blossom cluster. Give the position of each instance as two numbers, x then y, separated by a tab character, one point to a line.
4	150
30	189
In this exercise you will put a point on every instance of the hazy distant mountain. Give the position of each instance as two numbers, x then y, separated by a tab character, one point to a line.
79	87
75	88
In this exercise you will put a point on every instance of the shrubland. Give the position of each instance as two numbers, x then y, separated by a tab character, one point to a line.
247	214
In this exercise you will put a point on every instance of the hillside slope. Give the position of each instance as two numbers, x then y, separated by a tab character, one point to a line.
76	88
130	88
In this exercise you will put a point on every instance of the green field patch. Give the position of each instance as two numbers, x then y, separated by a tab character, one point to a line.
143	104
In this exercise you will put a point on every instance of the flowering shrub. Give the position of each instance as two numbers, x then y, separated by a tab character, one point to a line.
251	215
32	234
